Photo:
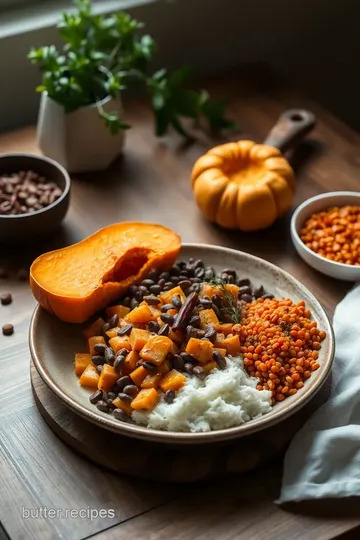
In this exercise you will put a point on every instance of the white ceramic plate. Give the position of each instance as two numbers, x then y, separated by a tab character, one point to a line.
54	343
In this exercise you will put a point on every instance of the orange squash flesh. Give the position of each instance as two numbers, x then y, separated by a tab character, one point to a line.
77	281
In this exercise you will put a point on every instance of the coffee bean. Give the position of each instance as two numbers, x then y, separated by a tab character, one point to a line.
111	396
190	332
206	304
105	328
151	300
167	318
210	332
126	301
194	321
8	329
153	275
164	330
166	307
161	283
246	298
131	390
102	406
200	334
200	272
219	359
6	299
209	272
267	296
181	264
164	275
122	352
113	321
120	415
245	290
175	270
216	311
244	282
188	358
184	275
155	289
95	396
98	360
188	368
230	271
199	372
195	280
149	366
217	300
109	356
258	291
142	291
119	363
133	303
125	330
174	279
153	326
199	263
132	290
176	302
168	286
99	348
177	362
125	397
169	396
124	381
184	284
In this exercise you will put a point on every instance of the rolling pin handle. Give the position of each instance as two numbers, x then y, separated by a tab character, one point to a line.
291	127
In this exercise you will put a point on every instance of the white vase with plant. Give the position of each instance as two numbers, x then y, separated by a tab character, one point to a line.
81	121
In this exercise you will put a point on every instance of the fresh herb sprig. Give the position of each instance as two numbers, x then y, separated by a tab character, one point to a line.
104	55
230	307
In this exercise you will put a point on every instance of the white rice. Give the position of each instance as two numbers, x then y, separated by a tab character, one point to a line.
226	398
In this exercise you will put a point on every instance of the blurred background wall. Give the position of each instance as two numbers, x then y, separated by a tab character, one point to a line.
314	42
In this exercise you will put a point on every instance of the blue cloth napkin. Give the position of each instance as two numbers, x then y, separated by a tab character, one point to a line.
323	459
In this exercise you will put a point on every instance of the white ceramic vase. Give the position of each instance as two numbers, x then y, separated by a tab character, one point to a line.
80	140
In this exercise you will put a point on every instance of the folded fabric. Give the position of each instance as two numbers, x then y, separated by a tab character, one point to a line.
323	459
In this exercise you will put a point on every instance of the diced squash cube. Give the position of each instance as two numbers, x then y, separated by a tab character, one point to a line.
108	378
113	332
224	328
202	350
233	290
209	366
151	380
146	399
219	341
167	296
156	349
208	316
94	329
90	376
164	367
177	336
138	338
120	342
95	340
232	345
140	314
138	375
130	362
209	290
119	310
82	360
123	405
172	381
222	351
155	312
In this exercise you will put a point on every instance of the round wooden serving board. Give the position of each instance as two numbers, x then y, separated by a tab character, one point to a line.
162	462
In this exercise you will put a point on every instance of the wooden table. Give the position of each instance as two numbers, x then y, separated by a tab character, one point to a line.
151	183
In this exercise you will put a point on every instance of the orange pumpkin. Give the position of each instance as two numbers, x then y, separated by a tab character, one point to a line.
243	185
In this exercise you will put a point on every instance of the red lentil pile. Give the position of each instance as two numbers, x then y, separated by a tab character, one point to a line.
334	234
279	344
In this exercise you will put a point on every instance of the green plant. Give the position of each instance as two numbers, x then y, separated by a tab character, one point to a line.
104	55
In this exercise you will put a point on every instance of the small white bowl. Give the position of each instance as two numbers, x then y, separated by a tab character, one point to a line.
317	204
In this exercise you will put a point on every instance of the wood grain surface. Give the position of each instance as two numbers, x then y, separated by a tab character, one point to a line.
151	183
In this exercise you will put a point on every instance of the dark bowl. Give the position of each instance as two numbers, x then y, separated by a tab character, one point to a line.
38	224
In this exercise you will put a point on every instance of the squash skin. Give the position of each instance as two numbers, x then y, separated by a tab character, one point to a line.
243	185
159	244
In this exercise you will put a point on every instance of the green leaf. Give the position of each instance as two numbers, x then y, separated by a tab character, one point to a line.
162	121
179	77
176	123
158	101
